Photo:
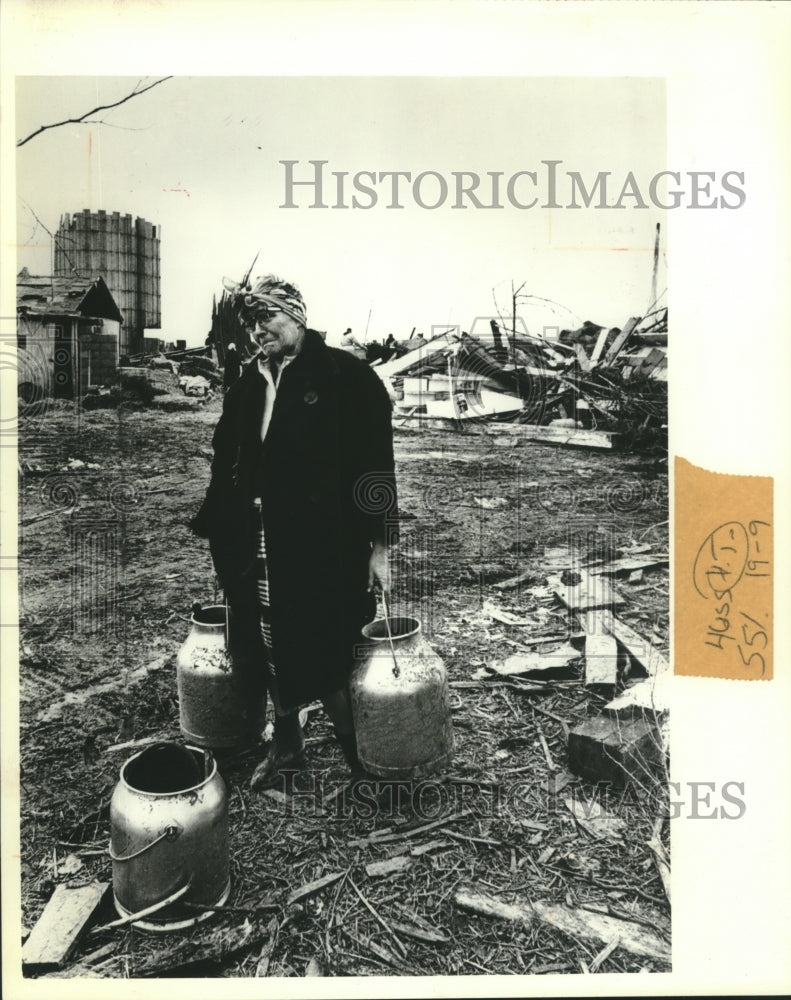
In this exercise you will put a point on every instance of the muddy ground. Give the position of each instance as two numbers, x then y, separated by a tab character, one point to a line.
101	621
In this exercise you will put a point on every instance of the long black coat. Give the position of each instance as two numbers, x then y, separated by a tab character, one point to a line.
326	478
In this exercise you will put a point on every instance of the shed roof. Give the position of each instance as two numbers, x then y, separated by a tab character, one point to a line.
46	295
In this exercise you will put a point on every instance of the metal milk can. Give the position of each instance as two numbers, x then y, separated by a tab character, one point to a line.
400	703
169	837
217	708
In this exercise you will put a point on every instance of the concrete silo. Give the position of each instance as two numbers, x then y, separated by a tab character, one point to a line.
125	252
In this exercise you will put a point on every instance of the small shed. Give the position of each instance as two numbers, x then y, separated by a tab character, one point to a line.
67	335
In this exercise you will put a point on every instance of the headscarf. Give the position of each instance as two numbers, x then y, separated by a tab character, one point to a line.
269	290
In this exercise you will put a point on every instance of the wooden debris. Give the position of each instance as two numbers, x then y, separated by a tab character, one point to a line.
311	888
415	831
660	856
526	663
315	967
59	927
640	649
397	941
610	749
419	932
629	564
597	928
589	593
621	338
262	966
572	436
488	906
595	819
432	845
388	867
514	581
601	660
147	912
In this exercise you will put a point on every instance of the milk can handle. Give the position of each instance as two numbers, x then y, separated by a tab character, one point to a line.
396	669
169	833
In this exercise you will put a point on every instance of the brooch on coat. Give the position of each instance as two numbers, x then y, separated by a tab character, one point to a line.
311	397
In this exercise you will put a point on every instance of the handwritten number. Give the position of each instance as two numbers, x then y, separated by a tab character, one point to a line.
749	661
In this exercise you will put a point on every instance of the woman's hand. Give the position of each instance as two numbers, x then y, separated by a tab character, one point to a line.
379	568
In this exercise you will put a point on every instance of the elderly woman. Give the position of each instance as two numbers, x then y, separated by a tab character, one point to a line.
298	513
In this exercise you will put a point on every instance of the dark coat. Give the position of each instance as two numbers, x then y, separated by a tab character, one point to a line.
325	475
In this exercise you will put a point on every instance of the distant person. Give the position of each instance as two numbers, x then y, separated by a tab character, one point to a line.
233	366
351	344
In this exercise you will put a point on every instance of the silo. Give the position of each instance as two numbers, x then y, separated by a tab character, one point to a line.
126	254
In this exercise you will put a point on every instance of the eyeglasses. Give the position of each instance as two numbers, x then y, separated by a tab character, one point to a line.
264	314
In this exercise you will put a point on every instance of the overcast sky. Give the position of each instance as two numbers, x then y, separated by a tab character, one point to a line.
199	157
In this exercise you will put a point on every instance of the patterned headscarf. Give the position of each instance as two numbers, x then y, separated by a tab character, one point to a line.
269	290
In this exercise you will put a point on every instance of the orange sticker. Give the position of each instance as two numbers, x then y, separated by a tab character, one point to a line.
723	574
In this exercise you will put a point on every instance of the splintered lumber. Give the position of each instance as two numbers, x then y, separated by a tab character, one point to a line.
388	867
311	888
660	856
212	945
413	832
601	660
419	933
628	564
647	698
524	663
585	925
572	436
603	748
589	593
614	349
643	652
601	340
59	927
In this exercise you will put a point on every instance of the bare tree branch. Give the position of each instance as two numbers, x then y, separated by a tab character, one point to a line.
102	107
55	239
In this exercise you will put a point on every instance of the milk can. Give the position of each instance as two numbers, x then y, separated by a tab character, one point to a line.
169	837
400	703
217	707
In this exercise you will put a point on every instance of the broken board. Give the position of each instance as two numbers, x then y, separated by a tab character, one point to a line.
601	660
590	593
60	925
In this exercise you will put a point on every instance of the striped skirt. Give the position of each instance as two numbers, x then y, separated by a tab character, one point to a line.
264	608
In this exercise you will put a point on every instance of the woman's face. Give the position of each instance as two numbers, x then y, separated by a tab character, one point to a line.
278	334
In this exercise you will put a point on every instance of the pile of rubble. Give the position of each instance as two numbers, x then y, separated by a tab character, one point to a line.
594	386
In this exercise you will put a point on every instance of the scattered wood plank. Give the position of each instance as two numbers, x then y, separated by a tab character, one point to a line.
415	831
640	649
63	921
390	866
432	845
615	347
526	663
628	564
647	699
605	748
420	933
576	437
597	928
591	592
311	888
660	856
601	660
595	819
514	581
601	340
